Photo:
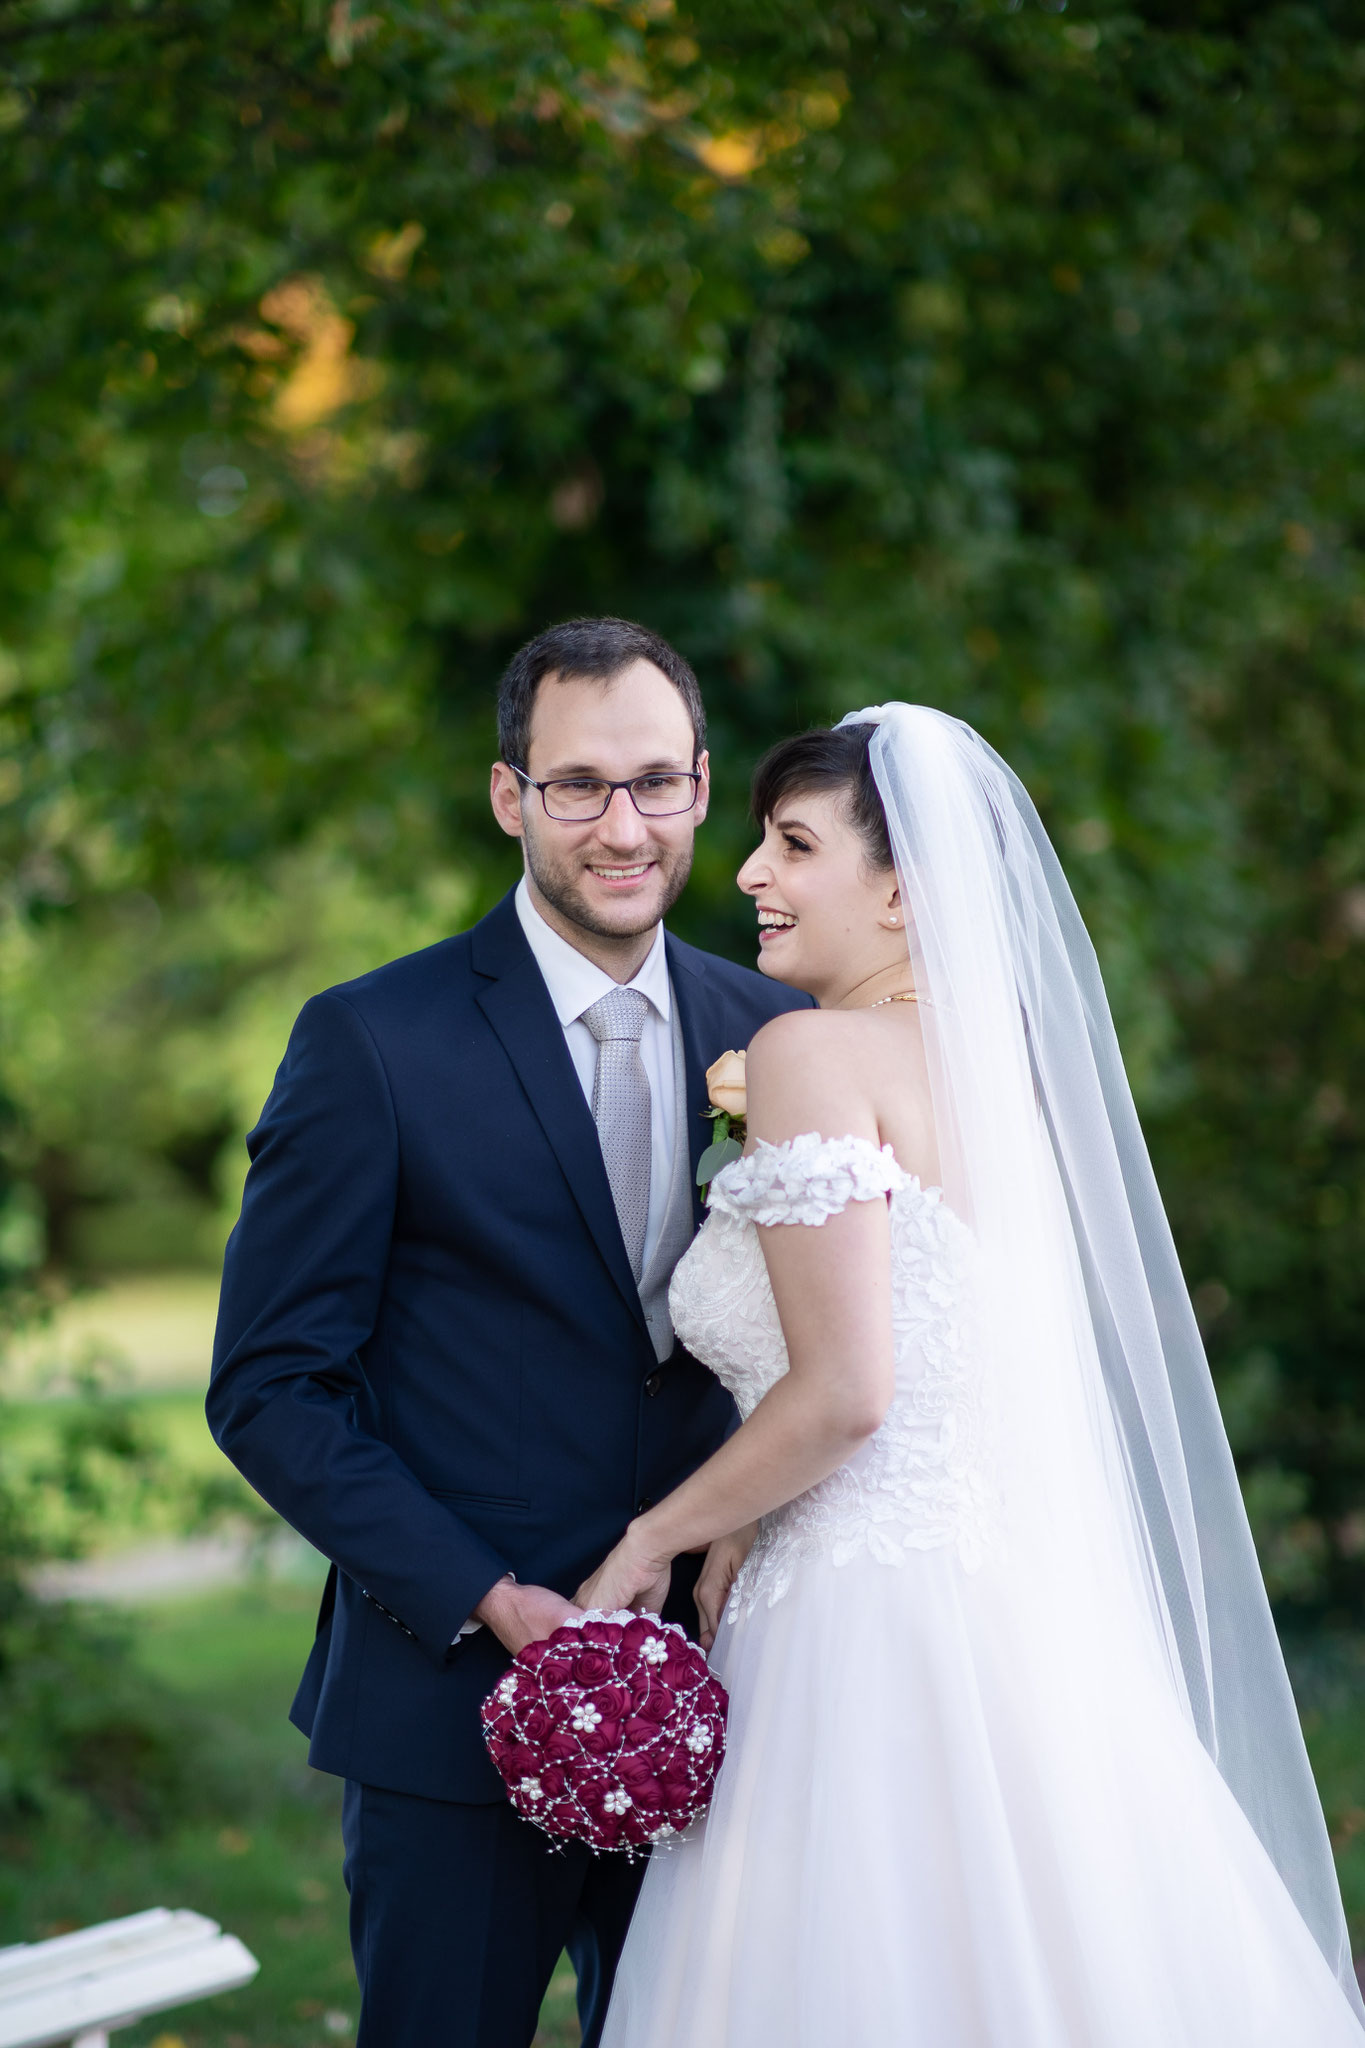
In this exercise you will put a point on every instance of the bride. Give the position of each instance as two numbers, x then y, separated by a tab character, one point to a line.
1012	1757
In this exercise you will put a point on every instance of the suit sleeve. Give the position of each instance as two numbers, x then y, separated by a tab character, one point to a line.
302	1282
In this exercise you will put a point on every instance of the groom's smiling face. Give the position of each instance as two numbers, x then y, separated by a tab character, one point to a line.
616	876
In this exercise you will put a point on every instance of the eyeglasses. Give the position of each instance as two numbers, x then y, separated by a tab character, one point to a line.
578	799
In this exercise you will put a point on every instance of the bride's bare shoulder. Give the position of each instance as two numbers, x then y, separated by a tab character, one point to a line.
807	1071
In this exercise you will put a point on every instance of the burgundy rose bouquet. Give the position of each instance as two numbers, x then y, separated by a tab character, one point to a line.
609	1732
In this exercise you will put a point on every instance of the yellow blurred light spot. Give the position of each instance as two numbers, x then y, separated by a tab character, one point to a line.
1298	538
734	155
233	1842
169	2041
391	256
1066	277
821	109
260	343
982	643
326	375
558	213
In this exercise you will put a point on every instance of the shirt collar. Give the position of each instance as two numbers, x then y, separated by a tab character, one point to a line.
574	982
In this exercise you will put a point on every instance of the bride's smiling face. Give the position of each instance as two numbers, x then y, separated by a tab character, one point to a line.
829	921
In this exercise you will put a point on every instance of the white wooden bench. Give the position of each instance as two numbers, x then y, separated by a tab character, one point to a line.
77	1987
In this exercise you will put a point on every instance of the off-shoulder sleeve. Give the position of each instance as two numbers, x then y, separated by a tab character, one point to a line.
805	1179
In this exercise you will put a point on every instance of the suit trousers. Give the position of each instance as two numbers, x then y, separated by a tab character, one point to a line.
459	1914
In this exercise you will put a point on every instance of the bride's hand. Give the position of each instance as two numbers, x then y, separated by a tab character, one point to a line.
723	1560
630	1576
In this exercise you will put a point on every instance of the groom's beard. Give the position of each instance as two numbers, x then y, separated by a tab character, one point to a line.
560	882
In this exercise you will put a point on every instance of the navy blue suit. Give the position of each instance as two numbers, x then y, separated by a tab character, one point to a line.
432	1361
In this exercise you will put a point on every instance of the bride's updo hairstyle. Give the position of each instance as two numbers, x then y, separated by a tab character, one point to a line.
831	760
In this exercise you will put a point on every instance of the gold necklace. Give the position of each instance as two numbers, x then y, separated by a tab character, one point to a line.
911	997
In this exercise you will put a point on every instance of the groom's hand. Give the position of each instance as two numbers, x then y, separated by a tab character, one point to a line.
519	1615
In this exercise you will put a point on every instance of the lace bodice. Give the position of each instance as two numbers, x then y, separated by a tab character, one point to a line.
921	1482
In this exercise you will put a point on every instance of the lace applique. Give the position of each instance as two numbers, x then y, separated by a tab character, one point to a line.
805	1179
922	1482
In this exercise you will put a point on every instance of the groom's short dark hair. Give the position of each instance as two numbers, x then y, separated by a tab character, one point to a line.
595	650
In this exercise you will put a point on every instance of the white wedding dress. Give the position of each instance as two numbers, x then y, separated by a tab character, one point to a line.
951	1814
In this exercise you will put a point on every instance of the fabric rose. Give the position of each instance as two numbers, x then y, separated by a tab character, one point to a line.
726	1086
592	1667
657	1706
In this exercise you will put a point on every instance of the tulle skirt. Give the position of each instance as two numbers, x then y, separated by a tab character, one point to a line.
931	1832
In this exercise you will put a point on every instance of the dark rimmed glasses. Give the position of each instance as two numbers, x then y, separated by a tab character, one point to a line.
578	799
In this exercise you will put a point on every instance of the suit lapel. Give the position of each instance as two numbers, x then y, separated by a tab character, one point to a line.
703	1034
517	1004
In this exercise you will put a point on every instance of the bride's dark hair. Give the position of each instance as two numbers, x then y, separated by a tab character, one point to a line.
829	759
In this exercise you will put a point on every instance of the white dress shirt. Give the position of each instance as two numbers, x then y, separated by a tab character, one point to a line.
575	984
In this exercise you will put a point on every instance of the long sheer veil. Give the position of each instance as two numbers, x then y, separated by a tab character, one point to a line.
1121	1513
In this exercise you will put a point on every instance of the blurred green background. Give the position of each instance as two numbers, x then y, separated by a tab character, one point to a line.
1004	355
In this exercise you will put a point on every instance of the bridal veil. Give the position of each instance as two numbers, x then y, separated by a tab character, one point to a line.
1120	1518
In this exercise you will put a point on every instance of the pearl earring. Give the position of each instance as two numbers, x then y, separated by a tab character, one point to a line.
895	920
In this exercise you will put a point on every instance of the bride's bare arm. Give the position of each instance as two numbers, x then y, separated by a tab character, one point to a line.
832	1286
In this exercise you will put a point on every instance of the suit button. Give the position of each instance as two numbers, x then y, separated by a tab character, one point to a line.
643	1504
653	1383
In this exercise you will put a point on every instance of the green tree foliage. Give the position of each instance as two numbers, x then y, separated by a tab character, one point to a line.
1001	355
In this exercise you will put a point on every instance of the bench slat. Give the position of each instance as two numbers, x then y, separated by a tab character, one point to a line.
94	1995
153	1933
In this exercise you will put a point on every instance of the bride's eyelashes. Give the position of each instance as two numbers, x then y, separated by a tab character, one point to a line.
795	845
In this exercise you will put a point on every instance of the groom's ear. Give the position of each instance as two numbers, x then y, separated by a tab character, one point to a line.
504	793
703	803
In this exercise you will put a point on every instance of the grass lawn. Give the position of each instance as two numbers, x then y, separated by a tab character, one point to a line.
266	1863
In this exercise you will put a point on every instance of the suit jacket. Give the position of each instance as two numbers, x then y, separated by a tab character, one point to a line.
431	1356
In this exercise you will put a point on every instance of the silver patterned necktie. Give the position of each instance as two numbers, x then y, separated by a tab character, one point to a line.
620	1107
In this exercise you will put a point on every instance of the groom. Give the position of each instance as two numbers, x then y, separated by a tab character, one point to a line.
444	1351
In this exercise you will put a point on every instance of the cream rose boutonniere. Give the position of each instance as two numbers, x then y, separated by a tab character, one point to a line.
725	1088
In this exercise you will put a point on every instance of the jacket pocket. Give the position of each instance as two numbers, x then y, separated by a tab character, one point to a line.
479	1500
